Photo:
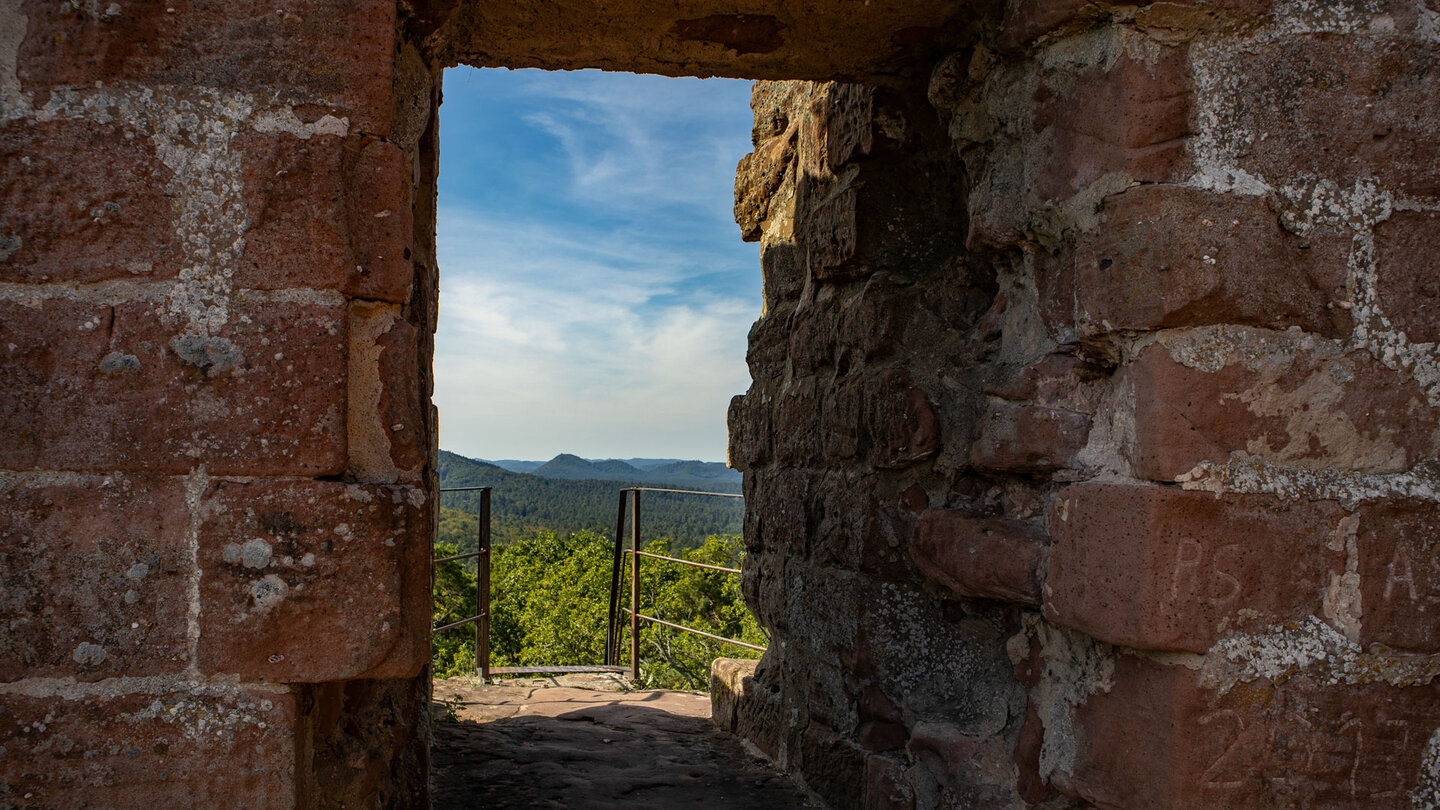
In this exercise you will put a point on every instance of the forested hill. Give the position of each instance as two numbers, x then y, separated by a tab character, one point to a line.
522	503
666	472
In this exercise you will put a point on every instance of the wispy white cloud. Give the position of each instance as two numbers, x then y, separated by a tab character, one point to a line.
530	366
614	324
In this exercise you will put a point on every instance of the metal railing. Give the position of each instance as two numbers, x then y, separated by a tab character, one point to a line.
612	635
481	619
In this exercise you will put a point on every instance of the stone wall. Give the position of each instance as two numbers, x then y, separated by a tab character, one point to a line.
214	335
1091	457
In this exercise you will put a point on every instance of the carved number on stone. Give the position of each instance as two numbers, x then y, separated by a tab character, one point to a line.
1210	779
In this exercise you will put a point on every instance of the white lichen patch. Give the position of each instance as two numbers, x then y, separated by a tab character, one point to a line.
1312	202
1375	333
200	717
1342	604
196	484
284	119
1219	142
1076	667
13	24
1292	17
1244	473
89	654
268	591
1315	648
1426	794
1212	348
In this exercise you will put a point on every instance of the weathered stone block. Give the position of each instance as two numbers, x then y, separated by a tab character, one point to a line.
387	435
1167	256
1279	403
335	56
831	237
1029	438
833	766
82	202
1165	569
758	181
1408	271
1057	381
308	581
94	576
982	558
1398	543
1027	21
96	386
1133	118
1158	738
886	786
327	213
900	420
1345	109
749	433
728	677
213	746
369	743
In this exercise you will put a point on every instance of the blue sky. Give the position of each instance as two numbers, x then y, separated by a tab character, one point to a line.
594	292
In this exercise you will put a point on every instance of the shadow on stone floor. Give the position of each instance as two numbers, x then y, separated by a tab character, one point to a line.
605	755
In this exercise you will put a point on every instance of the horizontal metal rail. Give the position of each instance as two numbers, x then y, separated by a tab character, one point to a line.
687	562
563	669
464	489
736	642
686	492
458	557
612	637
455	624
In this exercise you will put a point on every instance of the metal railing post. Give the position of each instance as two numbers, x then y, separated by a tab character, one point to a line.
482	590
612	621
635	585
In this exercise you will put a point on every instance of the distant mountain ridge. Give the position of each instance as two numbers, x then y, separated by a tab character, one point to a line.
681	472
524	502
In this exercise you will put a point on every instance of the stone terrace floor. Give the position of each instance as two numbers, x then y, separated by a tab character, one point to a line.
586	742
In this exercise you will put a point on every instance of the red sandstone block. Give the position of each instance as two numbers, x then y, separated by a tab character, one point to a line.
100	387
217	746
840	433
82	202
831	239
833	766
1133	118
749	433
1409	273
1370	419
327	213
1399	570
309	581
1157	738
1167	256
886	784
1029	438
981	558
93	577
401	397
1165	569
796	439
1058	381
1343	109
1026	21
900	420
336	54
